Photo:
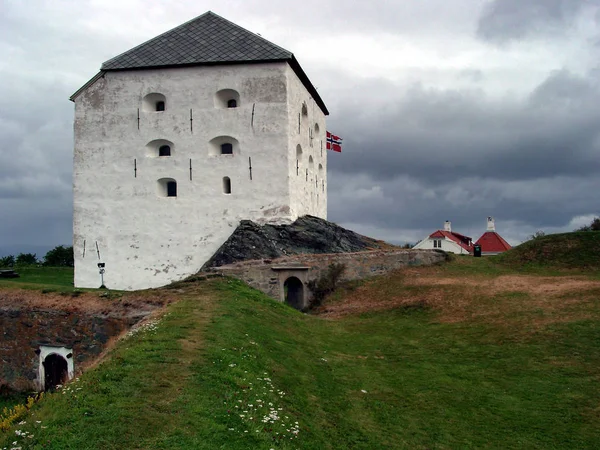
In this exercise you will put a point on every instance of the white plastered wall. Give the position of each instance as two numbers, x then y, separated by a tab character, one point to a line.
447	246
308	190
46	351
119	219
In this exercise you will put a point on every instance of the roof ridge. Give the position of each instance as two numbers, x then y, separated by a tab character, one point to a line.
246	30
156	37
209	13
206	40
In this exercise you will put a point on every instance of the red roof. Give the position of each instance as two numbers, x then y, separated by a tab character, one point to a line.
492	242
464	241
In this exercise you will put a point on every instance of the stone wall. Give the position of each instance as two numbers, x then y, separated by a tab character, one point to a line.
24	331
269	276
77	328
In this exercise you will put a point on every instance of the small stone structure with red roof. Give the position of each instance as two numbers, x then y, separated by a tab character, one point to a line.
491	242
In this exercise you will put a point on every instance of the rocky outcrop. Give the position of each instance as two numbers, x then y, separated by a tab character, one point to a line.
307	235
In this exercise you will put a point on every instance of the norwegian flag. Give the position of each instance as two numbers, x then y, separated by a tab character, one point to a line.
334	142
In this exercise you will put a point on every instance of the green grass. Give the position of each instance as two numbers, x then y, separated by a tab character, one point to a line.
427	384
508	263
9	401
577	250
41	278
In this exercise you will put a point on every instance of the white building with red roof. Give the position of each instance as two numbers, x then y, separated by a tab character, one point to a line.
448	241
491	242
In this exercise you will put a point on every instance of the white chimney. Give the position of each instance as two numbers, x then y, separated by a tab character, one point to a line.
448	226
491	225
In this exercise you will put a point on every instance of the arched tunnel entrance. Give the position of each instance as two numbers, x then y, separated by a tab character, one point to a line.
294	293
55	371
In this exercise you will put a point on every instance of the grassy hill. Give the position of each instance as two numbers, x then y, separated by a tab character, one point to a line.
36	278
578	250
442	357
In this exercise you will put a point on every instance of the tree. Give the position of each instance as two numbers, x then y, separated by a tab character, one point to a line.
594	226
26	259
60	256
7	261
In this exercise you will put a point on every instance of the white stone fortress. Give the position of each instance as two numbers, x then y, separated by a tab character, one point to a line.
180	138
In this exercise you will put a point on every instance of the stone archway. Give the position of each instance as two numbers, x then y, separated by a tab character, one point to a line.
56	371
294	293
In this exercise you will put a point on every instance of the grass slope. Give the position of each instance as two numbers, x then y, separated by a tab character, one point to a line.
10	400
229	368
50	278
578	250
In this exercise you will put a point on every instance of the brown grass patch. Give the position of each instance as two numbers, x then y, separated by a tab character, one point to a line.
525	301
524	283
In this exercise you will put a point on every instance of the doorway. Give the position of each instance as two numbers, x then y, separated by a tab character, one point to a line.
56	371
294	293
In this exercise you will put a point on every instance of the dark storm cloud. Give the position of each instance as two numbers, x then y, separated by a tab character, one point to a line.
445	134
36	139
460	155
413	156
505	20
405	209
36	132
36	221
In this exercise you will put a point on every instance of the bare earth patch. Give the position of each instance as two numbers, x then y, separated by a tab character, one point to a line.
525	301
122	304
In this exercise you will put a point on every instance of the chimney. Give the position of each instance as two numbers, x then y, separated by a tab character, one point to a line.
448	226
491	226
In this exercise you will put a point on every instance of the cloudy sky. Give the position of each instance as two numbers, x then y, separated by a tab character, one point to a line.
449	109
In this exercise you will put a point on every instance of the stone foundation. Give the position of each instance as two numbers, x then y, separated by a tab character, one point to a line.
270	276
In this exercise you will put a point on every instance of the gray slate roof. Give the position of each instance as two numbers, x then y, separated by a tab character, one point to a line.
207	39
